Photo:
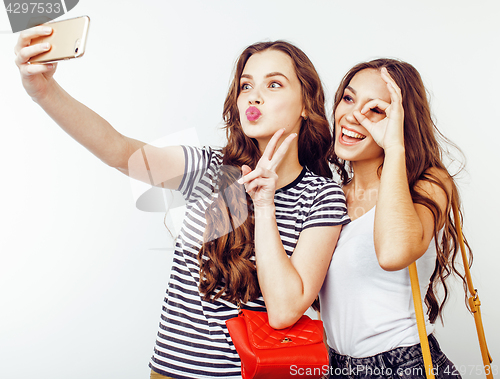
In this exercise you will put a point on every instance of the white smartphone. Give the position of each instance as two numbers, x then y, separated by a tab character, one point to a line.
68	40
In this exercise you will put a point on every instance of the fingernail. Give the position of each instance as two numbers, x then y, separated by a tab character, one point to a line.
46	46
240	180
47	30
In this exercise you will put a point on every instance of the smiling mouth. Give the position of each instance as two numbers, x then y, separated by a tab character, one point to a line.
352	135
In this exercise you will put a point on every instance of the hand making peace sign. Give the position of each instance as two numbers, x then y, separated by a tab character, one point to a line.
261	182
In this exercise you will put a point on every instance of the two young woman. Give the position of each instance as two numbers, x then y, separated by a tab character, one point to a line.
271	248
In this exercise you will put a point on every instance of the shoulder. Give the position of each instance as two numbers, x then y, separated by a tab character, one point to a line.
325	195
437	185
211	150
322	184
211	155
327	202
200	166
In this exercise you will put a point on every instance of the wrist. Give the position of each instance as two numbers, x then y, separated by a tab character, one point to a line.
265	211
48	95
395	150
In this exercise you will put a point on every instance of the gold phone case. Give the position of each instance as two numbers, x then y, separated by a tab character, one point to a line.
68	40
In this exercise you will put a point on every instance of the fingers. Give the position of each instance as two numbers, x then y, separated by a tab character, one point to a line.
35	69
25	51
259	172
375	103
264	175
245	169
26	36
270	158
271	146
25	54
252	187
281	152
394	89
364	121
258	179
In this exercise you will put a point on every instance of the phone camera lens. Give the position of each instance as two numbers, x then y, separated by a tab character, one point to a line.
77	46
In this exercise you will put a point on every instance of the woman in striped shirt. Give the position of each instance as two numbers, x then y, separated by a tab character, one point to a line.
280	235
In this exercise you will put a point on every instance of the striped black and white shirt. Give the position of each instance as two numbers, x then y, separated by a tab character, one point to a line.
193	341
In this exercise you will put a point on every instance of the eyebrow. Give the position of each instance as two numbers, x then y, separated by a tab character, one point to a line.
354	92
351	89
270	75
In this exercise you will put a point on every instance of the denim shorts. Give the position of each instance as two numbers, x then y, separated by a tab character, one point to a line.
403	362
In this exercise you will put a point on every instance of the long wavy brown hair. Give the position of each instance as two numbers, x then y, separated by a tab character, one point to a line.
423	152
226	268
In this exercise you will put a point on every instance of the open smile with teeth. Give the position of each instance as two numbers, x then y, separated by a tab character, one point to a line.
352	134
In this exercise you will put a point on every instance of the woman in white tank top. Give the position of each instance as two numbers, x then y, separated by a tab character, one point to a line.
399	196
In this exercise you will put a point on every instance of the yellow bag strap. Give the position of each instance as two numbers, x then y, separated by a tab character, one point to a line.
473	302
473	299
419	314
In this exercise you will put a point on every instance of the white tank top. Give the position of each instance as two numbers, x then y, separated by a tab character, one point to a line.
365	309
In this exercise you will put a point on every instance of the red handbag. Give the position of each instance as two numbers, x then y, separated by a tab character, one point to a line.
294	352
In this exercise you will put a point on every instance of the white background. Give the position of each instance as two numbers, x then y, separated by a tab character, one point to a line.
83	271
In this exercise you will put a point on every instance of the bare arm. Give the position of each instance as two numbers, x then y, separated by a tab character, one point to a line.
403	230
289	285
87	127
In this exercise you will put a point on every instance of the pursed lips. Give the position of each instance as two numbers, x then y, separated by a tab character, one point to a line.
253	113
